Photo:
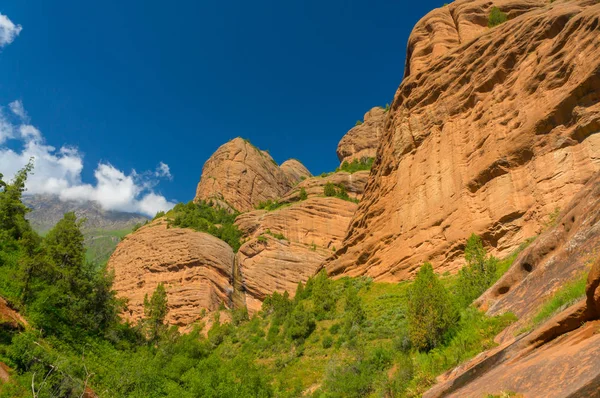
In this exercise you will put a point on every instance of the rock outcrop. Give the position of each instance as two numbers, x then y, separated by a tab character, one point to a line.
568	344
294	171
353	183
195	269
239	176
289	245
490	131
362	140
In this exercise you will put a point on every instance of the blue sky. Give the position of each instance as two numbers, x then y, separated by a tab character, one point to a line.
131	84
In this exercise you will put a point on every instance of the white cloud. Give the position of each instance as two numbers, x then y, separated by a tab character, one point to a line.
59	172
163	170
8	30
18	109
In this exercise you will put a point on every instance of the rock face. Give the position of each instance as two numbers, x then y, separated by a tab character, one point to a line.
239	176
195	268
354	184
295	171
362	141
289	245
568	344
490	131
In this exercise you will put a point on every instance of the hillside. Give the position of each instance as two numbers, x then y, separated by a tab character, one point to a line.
454	252
103	229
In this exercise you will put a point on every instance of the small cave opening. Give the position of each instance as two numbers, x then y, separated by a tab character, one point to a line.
503	290
527	267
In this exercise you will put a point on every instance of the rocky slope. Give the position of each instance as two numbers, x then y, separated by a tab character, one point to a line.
239	176
490	131
195	268
362	141
561	357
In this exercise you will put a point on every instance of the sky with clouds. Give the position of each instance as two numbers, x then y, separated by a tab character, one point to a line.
123	101
57	171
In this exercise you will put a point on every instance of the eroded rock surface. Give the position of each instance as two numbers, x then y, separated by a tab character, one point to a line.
362	140
194	267
289	245
294	171
314	187
561	357
276	265
490	131
239	176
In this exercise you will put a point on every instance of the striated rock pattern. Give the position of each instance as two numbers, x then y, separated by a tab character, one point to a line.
239	176
354	184
194	267
558	255
490	131
276	265
294	171
567	345
362	140
311	230
320	220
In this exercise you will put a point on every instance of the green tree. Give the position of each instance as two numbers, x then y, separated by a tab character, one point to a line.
12	211
354	314
303	194
329	189
478	274
430	310
496	17
155	312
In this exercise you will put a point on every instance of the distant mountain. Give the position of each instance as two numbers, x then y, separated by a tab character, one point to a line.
102	230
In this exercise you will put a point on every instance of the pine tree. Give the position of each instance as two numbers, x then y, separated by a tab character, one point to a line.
430	311
155	312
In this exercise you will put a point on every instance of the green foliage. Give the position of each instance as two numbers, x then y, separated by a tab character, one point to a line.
431	312
339	191
262	239
303	194
269	205
565	296
496	17
155	312
478	274
358	123
159	215
343	335
205	218
357	165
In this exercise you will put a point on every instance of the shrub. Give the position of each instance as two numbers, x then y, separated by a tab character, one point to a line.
300	323
303	194
358	123
496	17
430	310
329	189
327	341
478	274
357	165
269	205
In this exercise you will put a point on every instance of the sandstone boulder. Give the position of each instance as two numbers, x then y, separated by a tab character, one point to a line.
239	176
195	268
288	245
294	171
273	265
362	140
490	131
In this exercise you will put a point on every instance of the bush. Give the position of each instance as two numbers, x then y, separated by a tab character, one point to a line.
303	194
430	310
327	341
269	205
206	218
478	274
358	123
329	189
357	165
496	17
